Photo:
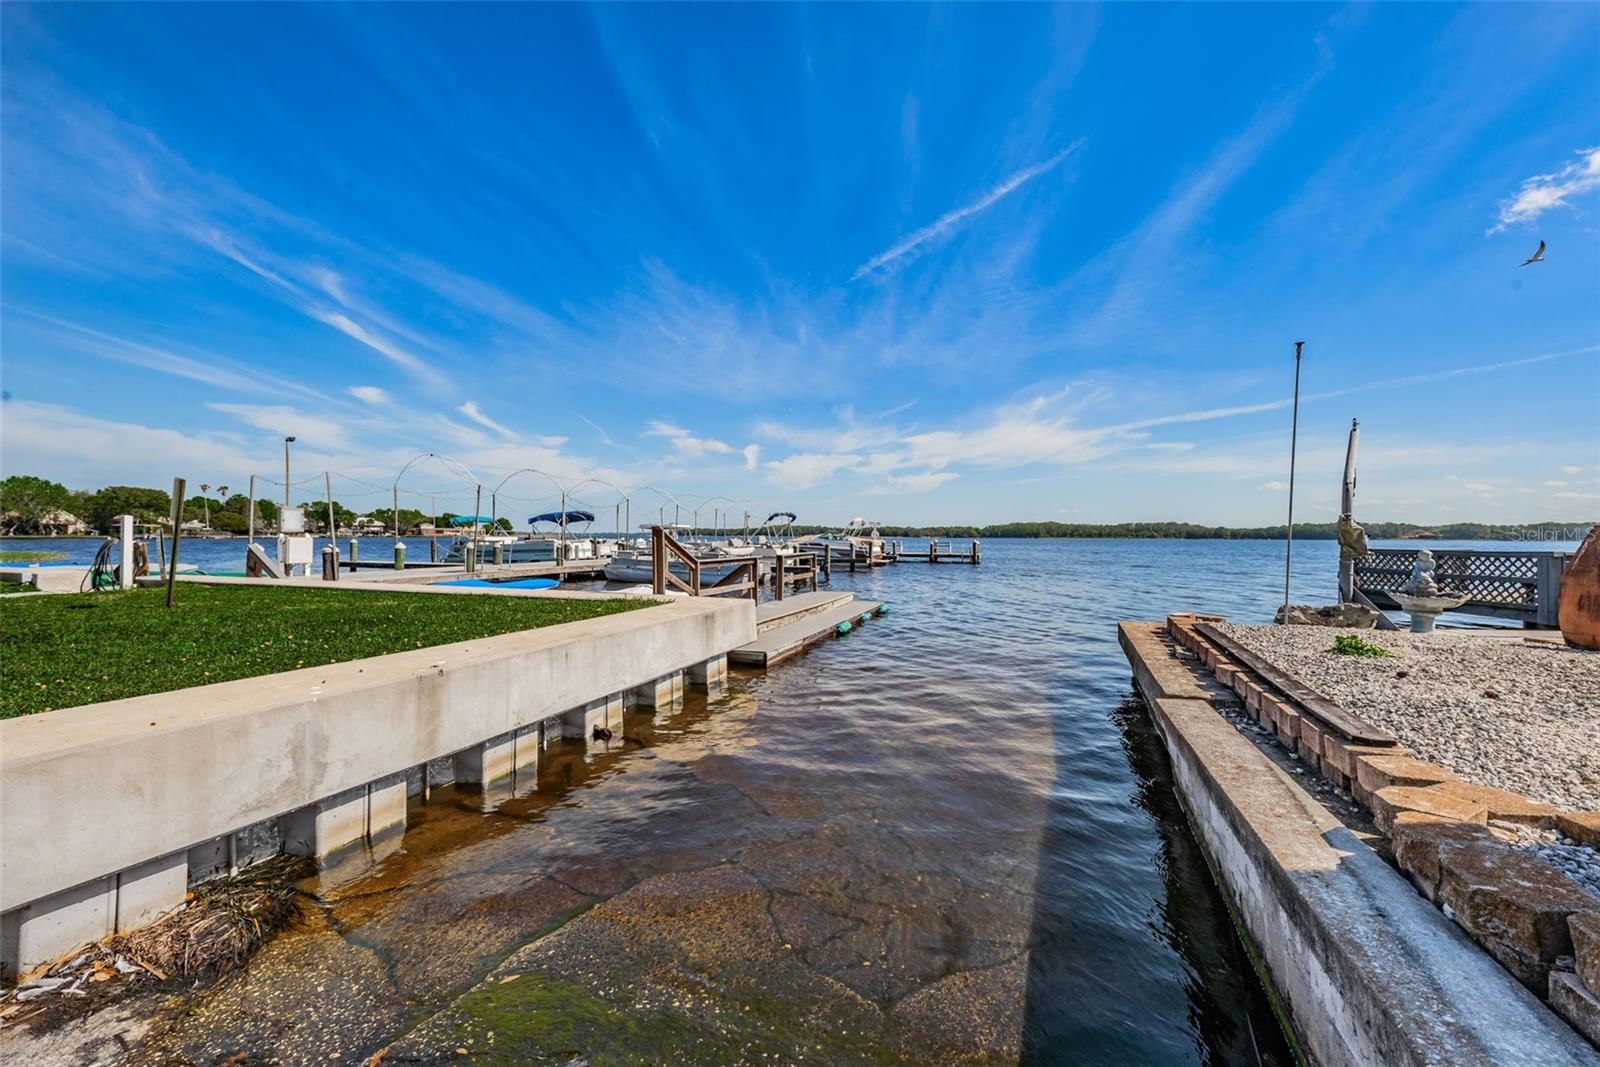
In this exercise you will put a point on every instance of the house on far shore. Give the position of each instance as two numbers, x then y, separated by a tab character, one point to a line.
56	524
367	526
1421	535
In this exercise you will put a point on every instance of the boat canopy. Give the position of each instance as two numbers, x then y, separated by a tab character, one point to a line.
563	517
472	520
788	516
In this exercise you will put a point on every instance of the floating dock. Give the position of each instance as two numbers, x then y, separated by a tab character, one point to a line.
788	626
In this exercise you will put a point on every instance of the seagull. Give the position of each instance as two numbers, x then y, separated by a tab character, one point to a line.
1537	257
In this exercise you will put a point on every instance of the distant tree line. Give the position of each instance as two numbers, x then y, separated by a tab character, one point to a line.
29	505
1318	531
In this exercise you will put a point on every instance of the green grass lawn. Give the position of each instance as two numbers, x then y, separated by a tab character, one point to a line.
62	650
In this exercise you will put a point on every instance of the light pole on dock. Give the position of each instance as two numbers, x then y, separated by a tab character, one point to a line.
1294	433
287	441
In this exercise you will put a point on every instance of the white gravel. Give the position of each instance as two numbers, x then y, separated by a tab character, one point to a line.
1537	735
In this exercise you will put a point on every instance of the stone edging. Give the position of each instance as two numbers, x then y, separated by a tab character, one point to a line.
1535	921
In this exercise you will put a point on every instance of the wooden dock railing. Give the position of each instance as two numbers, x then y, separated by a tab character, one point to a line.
664	549
799	569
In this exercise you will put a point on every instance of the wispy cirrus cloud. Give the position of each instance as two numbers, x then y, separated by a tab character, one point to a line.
282	419
472	411
1542	192
918	243
685	442
208	368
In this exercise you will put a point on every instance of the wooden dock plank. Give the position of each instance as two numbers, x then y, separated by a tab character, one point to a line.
1345	723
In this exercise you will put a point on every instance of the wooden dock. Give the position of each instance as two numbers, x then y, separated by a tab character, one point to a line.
787	627
940	552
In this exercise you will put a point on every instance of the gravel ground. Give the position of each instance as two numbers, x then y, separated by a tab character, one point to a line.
1538	734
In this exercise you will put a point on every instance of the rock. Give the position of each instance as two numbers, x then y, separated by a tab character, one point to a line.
1503	805
1417	839
1512	903
1381	770
1575	1004
1345	616
1581	826
1585	929
1387	804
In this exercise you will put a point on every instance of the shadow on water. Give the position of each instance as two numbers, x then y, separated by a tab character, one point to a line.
1101	990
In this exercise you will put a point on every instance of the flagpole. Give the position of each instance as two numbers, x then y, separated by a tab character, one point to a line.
1294	433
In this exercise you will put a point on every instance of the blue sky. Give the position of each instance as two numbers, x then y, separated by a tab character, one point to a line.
974	263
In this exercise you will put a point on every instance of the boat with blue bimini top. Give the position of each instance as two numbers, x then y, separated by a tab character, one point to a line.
554	546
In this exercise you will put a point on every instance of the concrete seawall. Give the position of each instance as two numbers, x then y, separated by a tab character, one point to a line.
1366	970
103	808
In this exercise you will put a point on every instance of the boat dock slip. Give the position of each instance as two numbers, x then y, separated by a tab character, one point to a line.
786	627
937	552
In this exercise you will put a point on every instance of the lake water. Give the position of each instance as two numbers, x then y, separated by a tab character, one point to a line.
950	836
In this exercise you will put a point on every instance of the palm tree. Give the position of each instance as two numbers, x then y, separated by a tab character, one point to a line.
205	502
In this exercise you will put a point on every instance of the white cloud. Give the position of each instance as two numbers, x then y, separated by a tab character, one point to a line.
806	469
685	442
87	452
472	411
284	421
208	368
1571	470
385	348
369	394
1553	484
915	245
1478	487
752	456
1274	487
1542	192
912	483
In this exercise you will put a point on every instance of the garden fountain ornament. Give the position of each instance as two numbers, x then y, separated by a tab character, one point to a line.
1423	598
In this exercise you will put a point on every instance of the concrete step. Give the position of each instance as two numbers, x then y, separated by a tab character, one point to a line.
773	614
787	640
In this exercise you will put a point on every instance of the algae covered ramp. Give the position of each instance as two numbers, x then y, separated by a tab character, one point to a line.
72	649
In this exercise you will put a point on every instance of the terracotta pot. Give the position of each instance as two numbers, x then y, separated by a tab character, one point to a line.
1579	605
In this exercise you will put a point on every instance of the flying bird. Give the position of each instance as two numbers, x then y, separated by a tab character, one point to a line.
1537	257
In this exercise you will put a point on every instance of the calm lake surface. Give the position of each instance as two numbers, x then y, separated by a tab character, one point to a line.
950	836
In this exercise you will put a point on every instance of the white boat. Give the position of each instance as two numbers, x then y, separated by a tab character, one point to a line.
859	540
536	547
633	563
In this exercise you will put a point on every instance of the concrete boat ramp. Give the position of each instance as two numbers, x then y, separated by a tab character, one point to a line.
788	626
